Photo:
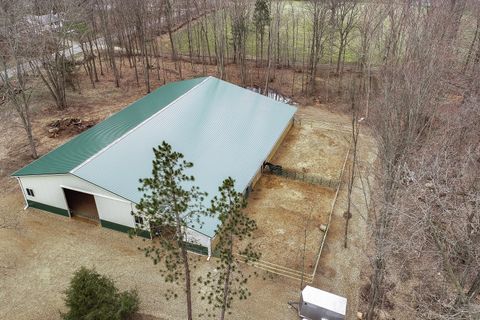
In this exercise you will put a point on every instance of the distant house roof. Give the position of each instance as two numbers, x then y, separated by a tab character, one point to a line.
46	21
223	129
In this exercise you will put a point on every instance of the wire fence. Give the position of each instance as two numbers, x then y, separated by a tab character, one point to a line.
308	178
334	184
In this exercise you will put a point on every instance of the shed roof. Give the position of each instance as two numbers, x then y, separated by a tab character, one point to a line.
325	300
223	129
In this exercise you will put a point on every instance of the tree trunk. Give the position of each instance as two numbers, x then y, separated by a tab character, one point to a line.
226	287
188	290
474	288
472	45
351	177
21	107
103	12
25	116
339	57
93	59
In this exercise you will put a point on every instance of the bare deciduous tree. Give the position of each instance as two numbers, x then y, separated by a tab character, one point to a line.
319	17
345	14
15	53
438	210
411	87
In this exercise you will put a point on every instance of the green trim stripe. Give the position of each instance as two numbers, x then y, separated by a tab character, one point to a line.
145	234
196	248
112	225
122	228
46	207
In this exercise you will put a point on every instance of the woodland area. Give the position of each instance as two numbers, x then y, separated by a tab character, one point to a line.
408	71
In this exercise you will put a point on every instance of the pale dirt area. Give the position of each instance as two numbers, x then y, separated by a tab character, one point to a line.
341	270
314	151
39	255
284	210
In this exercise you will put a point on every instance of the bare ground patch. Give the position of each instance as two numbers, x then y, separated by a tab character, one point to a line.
340	269
313	150
39	256
290	213
284	210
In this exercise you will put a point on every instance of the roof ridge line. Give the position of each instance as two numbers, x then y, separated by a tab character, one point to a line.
135	128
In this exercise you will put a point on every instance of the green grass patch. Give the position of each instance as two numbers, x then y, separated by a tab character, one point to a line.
295	36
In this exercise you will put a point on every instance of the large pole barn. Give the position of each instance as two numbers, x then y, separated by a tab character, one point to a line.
225	130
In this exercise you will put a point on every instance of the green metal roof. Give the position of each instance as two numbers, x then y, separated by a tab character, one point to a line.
79	149
225	130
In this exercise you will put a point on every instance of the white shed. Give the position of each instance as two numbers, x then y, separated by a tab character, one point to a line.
316	304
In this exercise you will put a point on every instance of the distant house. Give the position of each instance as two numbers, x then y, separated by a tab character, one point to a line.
223	129
47	22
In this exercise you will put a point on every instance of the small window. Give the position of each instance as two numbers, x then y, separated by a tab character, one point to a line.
30	192
138	220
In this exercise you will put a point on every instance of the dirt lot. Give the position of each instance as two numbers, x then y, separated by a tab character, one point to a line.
284	209
39	251
39	256
312	150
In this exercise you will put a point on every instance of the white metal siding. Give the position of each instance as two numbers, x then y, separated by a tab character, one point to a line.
48	190
198	238
115	211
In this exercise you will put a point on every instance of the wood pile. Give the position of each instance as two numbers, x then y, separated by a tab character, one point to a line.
68	126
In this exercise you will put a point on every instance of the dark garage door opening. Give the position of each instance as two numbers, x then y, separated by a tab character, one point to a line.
81	204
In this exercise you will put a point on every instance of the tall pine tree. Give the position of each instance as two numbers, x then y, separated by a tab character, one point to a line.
229	282
166	209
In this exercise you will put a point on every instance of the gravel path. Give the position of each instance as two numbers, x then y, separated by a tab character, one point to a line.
38	257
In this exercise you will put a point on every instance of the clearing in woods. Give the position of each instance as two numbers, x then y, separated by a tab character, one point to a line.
289	213
39	251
